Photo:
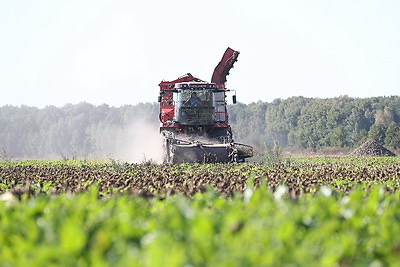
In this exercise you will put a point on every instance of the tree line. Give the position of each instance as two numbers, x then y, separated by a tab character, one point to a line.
86	130
313	123
80	130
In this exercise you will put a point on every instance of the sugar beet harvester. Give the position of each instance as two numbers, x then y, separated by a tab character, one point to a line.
194	118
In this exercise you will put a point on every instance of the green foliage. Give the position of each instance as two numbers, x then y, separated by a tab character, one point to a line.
259	228
300	122
392	135
274	155
377	133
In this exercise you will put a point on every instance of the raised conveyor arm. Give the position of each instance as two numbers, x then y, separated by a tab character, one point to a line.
224	66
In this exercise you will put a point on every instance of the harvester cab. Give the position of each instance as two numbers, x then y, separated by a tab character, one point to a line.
194	118
194	104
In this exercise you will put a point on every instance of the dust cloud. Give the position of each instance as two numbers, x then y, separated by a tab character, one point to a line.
138	142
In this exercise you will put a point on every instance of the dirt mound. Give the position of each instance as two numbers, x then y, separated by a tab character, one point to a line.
372	149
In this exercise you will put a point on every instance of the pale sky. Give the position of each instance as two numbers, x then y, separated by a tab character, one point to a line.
117	52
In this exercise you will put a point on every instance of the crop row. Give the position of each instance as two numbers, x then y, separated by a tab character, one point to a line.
258	228
147	180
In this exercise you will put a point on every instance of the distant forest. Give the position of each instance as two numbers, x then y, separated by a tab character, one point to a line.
298	123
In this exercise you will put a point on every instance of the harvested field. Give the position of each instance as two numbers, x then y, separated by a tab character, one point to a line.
300	177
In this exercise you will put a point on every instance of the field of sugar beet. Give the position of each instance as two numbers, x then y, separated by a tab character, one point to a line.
318	211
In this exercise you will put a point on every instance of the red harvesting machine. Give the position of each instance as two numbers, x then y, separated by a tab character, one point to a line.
194	118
